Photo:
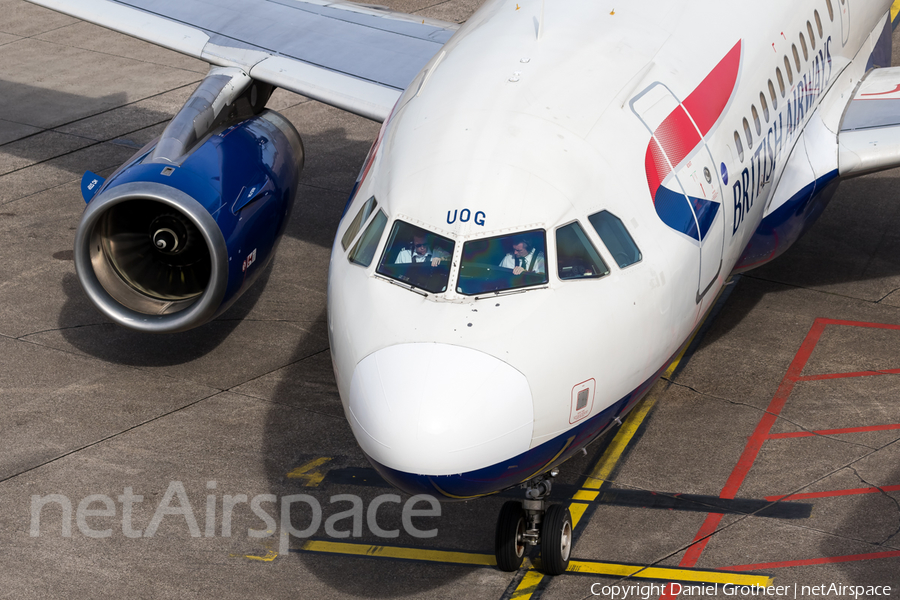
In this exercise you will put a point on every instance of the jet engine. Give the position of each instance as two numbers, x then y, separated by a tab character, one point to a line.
181	230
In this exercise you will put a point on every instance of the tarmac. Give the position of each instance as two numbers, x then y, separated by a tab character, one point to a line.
147	466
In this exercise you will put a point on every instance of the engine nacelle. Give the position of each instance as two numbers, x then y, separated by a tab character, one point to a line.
168	243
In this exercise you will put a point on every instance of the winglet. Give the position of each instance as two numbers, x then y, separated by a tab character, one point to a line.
90	184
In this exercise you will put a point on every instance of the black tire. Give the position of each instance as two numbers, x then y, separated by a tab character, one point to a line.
509	547
556	539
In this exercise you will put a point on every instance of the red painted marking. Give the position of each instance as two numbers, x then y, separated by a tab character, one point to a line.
802	434
893	91
813	561
858	324
677	135
755	442
845	375
853	492
700	540
656	166
708	101
751	451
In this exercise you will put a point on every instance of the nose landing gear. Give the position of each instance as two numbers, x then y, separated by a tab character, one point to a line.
556	539
534	522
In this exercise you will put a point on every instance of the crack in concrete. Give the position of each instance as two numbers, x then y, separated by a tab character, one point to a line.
275	402
886	495
22	338
79	149
741	518
118	56
52	187
56	128
324	189
435	5
110	436
254	320
810	289
781	417
18	39
215	392
290	364
886	296
843	537
33	36
144	369
340	417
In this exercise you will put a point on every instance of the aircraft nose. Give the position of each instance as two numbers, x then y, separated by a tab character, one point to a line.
438	409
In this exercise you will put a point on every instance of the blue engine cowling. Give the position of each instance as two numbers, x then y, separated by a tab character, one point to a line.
164	247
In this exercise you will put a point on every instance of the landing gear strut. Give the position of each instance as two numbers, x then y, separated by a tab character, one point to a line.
534	522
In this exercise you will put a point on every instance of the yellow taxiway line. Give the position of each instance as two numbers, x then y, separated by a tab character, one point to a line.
419	554
589	492
577	507
667	573
532	577
591	489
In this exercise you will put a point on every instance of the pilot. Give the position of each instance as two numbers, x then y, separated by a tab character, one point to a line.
420	252
524	258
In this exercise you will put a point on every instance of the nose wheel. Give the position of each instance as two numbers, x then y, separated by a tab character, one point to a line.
556	539
509	541
531	523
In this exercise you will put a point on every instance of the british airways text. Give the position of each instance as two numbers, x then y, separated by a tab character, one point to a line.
772	144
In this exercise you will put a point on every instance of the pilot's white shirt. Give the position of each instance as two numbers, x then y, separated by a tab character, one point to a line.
407	256
509	261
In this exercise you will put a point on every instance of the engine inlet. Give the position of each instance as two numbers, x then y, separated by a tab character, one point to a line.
152	250
151	258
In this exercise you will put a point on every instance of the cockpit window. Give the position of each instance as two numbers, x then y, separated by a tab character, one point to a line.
503	263
576	257
616	237
358	221
364	250
417	257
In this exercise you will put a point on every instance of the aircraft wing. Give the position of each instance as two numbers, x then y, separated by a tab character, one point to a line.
869	136
355	57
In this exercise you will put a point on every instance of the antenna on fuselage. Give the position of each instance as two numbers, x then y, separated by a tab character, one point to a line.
539	24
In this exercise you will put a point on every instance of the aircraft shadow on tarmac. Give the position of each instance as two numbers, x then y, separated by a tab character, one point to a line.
852	250
67	122
113	344
306	420
875	520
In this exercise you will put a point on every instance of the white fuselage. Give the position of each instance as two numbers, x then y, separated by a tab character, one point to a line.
531	118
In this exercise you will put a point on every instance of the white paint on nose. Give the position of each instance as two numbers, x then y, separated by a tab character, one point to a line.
438	409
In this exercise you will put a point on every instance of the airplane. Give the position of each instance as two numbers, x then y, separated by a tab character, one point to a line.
558	193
